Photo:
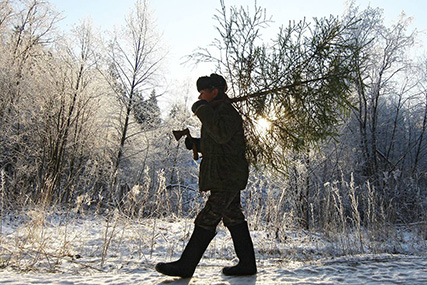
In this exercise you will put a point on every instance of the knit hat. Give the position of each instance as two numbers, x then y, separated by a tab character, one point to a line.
211	82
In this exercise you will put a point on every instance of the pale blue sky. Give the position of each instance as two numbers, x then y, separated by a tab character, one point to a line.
187	24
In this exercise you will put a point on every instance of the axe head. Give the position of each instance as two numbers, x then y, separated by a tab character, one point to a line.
179	134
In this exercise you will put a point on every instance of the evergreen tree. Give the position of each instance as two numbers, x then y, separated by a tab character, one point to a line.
299	83
147	111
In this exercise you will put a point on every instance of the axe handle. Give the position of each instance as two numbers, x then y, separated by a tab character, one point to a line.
195	153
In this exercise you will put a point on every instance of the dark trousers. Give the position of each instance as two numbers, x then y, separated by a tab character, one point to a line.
221	205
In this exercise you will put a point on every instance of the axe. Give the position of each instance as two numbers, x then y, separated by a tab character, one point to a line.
186	132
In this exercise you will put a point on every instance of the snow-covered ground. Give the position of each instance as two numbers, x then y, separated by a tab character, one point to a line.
58	249
356	270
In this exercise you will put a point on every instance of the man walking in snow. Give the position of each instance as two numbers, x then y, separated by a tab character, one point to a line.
223	172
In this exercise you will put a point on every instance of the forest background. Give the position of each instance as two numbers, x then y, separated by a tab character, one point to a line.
81	129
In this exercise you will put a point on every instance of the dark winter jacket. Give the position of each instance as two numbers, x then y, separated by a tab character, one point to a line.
222	144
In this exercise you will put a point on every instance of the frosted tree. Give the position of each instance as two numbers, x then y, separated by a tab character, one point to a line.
379	143
69	114
381	71
134	60
27	29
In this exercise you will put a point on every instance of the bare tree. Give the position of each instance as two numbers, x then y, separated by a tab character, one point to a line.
381	64
134	60
69	113
27	30
379	143
5	12
421	143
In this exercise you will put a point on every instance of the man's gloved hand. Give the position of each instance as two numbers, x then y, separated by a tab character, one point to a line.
189	143
197	104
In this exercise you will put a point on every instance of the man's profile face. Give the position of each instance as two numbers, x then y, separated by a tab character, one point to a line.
208	94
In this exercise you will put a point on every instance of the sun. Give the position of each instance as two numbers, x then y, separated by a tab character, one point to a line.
262	125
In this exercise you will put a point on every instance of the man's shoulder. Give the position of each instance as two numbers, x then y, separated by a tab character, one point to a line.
227	111
226	106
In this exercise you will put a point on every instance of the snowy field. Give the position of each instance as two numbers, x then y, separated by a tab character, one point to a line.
58	249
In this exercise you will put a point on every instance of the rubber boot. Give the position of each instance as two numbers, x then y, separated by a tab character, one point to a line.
244	250
193	252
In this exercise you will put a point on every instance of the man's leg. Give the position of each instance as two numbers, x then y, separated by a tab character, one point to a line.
216	208
233	215
193	252
204	231
235	222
